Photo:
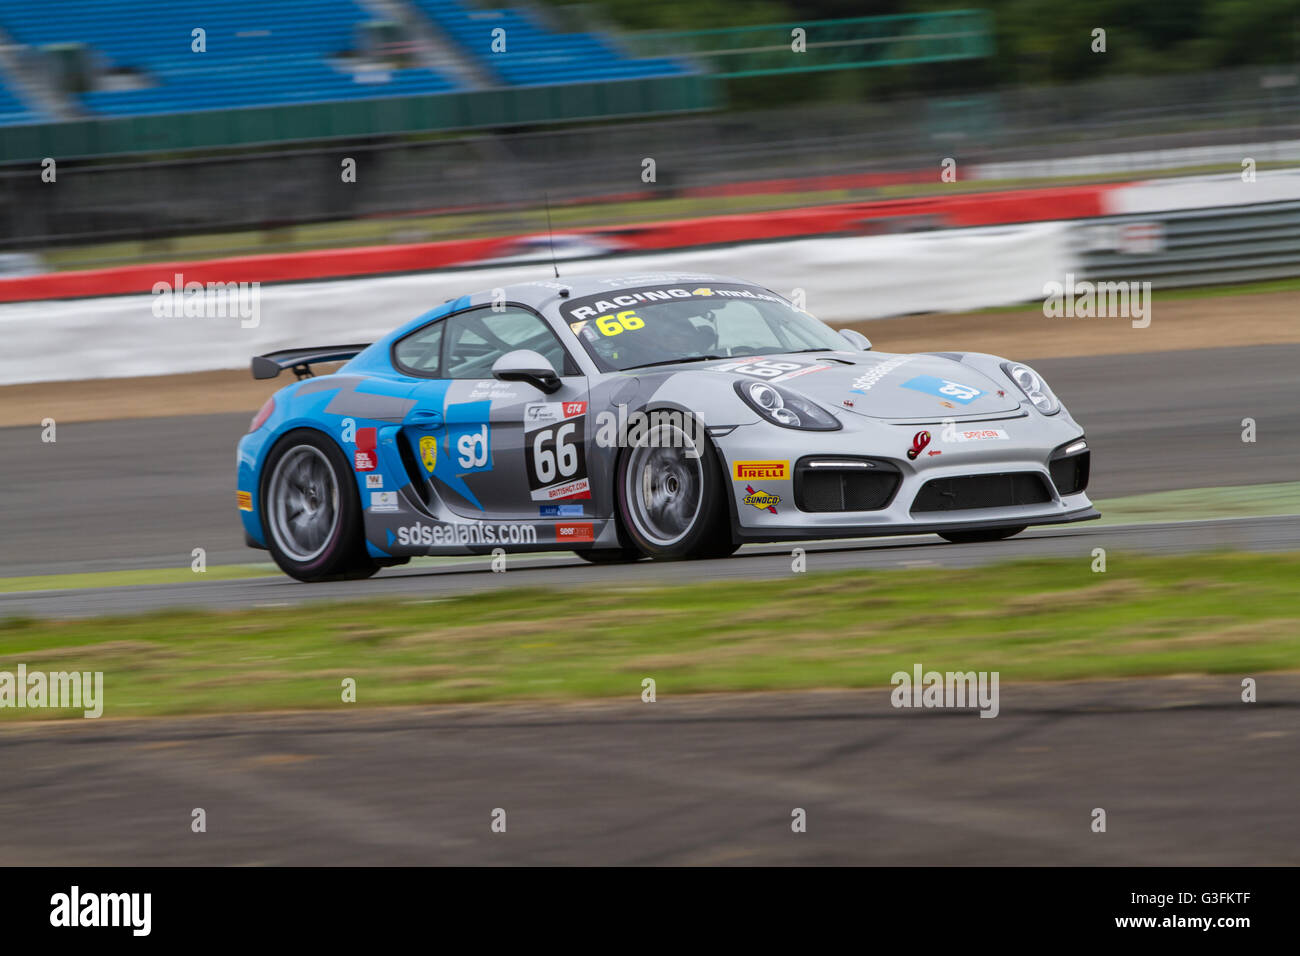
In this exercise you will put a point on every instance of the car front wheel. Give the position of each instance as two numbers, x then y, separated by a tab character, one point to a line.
670	495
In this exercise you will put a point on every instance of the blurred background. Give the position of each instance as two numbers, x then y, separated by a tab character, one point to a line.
188	129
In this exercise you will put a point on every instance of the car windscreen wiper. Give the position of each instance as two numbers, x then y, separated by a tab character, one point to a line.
678	361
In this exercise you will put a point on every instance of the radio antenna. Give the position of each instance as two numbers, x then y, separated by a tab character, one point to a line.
551	235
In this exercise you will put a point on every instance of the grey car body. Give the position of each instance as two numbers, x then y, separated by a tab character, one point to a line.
474	451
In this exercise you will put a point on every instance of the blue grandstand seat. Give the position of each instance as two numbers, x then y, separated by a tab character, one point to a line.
535	57
14	111
259	52
268	52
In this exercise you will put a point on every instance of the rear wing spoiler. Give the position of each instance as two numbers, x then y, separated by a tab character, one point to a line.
301	360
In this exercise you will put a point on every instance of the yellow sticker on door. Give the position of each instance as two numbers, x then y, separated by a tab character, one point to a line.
429	452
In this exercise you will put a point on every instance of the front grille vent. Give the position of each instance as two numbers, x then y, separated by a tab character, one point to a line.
971	492
844	484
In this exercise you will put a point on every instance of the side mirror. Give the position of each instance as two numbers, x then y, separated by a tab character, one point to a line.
857	339
525	365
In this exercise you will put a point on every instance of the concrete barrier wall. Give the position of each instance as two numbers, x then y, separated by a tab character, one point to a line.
844	279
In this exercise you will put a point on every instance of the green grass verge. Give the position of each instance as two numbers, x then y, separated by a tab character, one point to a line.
1193	504
1247	288
1029	620
150	577
145	576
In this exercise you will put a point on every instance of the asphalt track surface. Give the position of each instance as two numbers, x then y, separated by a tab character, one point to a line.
144	493
1186	772
755	562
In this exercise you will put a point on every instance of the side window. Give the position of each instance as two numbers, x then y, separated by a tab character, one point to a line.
421	351
476	339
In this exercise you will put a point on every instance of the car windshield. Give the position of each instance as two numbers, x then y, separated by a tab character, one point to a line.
660	324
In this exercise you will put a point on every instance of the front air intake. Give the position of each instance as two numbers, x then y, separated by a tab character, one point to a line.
971	492
844	484
1069	467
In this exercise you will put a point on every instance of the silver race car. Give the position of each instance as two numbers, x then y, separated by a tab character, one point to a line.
669	416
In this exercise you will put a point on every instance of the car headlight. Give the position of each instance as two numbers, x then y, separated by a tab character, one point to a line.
785	408
1032	384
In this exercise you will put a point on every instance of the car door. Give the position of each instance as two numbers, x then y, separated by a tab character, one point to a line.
495	449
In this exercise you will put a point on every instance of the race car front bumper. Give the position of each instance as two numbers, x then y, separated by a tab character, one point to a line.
870	479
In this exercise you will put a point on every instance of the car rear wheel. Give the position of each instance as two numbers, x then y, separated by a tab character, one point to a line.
669	494
311	513
975	537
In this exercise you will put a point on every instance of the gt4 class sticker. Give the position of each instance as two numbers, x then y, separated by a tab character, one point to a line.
537	414
555	450
979	434
761	470
944	388
363	459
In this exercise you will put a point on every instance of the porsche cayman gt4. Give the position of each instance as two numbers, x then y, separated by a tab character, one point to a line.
663	416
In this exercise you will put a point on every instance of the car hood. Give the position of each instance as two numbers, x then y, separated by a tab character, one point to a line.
880	384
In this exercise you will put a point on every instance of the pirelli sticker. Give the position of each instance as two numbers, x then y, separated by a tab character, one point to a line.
761	470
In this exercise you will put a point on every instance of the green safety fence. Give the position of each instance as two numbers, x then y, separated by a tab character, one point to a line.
474	109
855	43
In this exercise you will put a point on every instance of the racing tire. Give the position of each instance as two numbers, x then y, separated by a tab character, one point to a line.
364	568
975	537
311	512
610	555
670	496
720	547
